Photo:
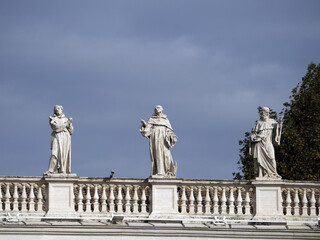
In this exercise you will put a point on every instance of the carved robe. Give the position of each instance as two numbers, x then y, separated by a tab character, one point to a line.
161	139
60	161
264	136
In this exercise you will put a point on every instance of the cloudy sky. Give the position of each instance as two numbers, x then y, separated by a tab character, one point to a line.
210	64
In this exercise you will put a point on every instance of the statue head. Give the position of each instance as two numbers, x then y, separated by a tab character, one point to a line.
158	109
264	114
58	109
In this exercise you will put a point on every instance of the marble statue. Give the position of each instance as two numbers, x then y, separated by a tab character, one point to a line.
161	138
60	161
265	136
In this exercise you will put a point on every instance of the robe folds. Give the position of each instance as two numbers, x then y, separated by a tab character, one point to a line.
161	139
60	161
264	137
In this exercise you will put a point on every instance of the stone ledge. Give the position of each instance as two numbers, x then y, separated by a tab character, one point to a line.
143	230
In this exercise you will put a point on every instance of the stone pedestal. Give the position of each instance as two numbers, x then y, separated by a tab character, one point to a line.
164	199
60	197
267	199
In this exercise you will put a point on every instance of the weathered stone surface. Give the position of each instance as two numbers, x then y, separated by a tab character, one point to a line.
86	231
265	134
164	200
214	209
60	201
62	129
161	138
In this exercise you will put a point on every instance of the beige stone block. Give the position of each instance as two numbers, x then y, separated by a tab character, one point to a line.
268	201
60	199
164	199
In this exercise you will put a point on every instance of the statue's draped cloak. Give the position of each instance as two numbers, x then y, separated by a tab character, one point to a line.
61	143
263	138
162	138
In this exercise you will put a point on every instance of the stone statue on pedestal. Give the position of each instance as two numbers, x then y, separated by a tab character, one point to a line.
265	136
60	161
161	138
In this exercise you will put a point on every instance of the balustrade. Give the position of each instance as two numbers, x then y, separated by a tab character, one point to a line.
301	201
115	197
214	198
22	195
196	198
228	198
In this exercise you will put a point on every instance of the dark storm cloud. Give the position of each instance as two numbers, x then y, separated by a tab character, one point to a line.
209	63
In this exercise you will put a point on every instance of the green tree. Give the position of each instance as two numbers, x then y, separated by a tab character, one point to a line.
298	156
299	153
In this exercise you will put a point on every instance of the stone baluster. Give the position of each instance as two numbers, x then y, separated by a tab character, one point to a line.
207	201
319	202
312	203
15	197
135	199
239	202
143	200
95	199
223	201
304	203
24	198
119	200
183	200
282	200
39	198
1	197
103	199
288	203
80	200
199	201
31	198
88	199
247	202
191	201
127	199
215	201
111	199
231	201
296	203
7	198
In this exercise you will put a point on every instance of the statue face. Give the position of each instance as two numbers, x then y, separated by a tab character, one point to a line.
158	109
58	110
264	115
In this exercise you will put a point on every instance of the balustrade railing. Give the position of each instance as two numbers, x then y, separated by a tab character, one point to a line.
24	195
122	196
218	198
301	200
133	197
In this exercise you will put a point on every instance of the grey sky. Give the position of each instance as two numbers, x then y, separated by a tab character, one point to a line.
210	64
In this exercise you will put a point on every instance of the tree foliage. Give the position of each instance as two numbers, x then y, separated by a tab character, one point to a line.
298	156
